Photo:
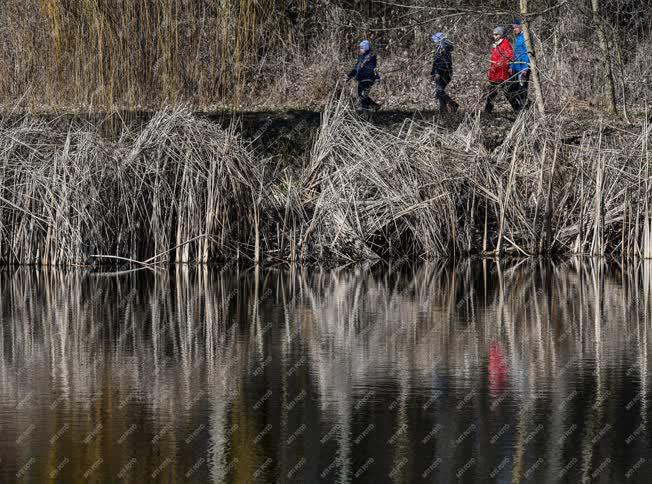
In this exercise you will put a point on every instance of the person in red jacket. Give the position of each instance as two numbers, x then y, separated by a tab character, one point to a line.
502	57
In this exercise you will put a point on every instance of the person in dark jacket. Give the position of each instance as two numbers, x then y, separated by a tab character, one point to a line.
365	72
442	71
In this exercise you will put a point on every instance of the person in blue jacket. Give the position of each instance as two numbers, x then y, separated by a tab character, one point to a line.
520	69
442	71
365	72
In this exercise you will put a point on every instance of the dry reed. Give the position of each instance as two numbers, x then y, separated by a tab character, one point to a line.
426	191
184	190
67	193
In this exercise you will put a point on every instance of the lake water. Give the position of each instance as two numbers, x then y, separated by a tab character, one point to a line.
479	371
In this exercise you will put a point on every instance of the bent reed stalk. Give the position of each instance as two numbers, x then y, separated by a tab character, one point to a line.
185	190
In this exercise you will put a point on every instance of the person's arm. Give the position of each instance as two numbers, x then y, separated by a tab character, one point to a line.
373	65
435	72
527	54
512	64
506	54
353	71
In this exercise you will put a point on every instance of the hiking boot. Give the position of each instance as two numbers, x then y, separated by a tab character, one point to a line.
454	107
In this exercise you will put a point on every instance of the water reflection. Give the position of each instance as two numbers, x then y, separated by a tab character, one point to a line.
478	371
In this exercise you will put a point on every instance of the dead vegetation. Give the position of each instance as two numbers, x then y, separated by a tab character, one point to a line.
67	193
427	192
184	190
83	55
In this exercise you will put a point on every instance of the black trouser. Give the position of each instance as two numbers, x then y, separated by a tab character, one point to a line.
441	81
519	90
364	87
491	91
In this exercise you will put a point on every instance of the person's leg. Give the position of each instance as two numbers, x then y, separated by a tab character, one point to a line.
511	90
372	104
363	94
440	93
524	91
364	87
453	106
490	93
518	92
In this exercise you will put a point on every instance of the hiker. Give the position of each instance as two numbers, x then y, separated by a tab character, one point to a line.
366	73
519	70
442	71
499	79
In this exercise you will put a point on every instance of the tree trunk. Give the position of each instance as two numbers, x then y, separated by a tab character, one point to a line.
606	58
621	68
534	71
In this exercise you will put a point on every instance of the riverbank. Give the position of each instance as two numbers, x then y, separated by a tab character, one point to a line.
187	187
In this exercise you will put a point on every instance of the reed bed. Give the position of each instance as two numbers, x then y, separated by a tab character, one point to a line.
181	189
424	191
176	190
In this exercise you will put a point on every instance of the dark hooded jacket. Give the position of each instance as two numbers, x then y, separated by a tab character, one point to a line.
442	62
365	68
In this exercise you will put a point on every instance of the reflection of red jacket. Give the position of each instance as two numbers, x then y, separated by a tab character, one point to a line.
497	369
501	57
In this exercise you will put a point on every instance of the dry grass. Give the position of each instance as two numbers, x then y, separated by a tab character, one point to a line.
67	193
427	192
86	55
182	189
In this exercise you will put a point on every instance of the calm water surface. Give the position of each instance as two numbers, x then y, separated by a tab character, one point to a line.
472	372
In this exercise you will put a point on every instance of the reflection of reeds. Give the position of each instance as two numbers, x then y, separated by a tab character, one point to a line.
196	334
432	316
434	321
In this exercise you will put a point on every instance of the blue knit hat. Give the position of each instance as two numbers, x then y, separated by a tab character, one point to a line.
517	21
438	37
365	45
